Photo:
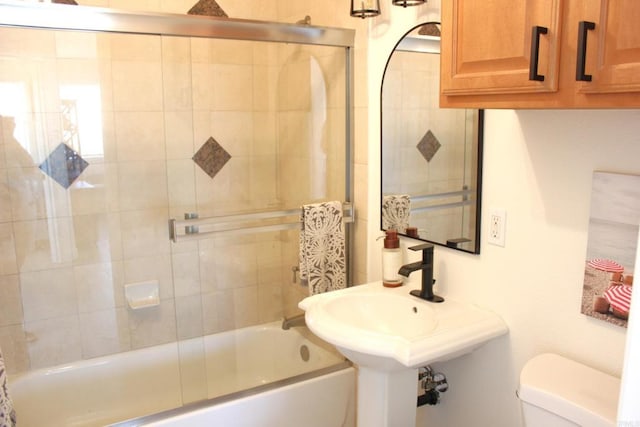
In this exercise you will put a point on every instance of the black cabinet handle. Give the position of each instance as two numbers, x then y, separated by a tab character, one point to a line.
582	51
536	31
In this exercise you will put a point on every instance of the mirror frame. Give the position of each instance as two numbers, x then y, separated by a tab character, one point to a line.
480	156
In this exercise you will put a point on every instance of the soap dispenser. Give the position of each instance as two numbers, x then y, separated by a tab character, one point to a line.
391	260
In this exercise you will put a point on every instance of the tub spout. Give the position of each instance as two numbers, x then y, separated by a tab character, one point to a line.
426	265
289	322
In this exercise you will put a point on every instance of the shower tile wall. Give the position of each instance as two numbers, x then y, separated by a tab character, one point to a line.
145	105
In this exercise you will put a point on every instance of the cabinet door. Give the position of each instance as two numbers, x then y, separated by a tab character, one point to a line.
487	46
613	47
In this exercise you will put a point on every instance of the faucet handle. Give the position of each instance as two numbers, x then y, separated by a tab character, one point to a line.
421	247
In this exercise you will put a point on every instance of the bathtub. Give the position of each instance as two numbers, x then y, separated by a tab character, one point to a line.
279	376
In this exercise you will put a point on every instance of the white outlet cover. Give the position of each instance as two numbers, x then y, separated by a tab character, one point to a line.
497	226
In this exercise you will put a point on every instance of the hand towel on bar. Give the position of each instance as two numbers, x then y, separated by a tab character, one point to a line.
322	247
7	414
396	210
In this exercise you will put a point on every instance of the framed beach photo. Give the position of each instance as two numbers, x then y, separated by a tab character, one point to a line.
611	247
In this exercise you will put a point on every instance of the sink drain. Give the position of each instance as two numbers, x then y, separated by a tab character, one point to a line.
304	352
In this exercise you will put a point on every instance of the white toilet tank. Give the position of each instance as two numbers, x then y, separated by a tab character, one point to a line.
558	392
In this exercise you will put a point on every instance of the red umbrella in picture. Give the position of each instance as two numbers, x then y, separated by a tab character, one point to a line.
619	297
607	265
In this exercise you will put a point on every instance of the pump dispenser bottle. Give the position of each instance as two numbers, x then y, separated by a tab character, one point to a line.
391	260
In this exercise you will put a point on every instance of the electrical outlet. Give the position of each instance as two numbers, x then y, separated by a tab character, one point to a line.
497	226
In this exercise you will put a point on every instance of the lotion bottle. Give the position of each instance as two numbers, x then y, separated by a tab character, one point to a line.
391	260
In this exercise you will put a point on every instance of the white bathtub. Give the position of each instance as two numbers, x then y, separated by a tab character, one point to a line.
129	385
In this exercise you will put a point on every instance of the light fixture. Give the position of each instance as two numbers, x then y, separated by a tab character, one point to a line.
405	3
365	8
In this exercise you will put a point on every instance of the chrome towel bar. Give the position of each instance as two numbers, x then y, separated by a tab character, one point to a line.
239	224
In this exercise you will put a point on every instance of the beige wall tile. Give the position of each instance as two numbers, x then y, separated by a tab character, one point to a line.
263	185
76	44
144	233
104	332
14	152
264	133
189	316
294	129
228	191
245	306
34	195
97	239
233	130
54	341
5	197
96	191
136	5
176	49
233	90
203	91
182	191
11	313
13	341
176	79
137	86
144	268
20	42
43	244
200	50
178	127
269	259
186	274
238	52
99	286
8	264
265	84
153	326
109	142
128	47
270	307
142	185
233	266
140	136
48	294
218	311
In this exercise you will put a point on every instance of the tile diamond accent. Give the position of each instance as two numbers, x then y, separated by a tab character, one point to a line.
207	8
211	157
428	146
64	165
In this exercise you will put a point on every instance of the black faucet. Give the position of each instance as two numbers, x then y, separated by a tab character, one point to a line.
426	265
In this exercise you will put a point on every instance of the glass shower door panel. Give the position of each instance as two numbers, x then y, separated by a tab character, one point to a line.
103	137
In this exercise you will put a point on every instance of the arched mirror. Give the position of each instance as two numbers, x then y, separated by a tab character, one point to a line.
431	157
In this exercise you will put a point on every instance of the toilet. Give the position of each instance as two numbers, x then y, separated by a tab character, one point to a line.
559	392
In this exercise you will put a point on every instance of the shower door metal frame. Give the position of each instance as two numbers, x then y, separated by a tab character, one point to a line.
95	19
86	18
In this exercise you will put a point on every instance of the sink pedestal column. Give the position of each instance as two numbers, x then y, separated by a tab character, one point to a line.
387	399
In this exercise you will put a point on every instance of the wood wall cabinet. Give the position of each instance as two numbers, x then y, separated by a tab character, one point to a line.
540	54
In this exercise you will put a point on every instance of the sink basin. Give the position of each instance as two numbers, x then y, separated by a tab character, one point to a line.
389	334
388	329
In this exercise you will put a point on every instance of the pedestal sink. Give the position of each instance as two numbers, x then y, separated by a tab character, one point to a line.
389	334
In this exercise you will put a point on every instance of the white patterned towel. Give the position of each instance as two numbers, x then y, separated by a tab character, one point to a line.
7	414
396	210
322	247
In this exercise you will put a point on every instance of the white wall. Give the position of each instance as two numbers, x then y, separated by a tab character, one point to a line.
538	166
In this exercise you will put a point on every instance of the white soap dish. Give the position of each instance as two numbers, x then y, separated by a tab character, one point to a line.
142	294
